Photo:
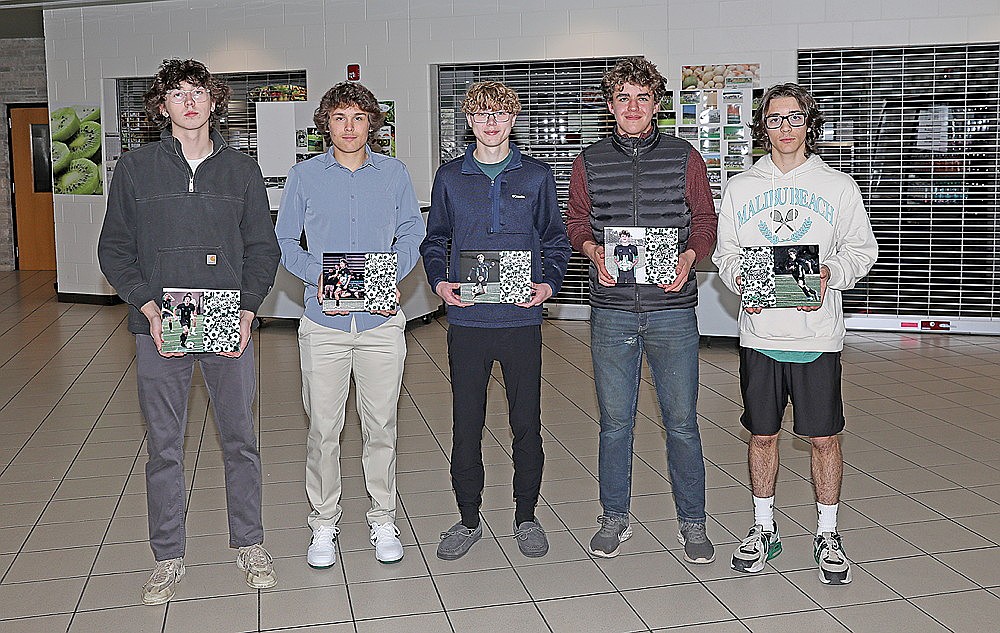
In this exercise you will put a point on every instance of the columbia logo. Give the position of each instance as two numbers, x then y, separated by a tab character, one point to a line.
517	196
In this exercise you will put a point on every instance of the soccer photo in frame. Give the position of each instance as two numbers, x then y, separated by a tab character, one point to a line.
359	282
200	320
495	276
641	255
785	276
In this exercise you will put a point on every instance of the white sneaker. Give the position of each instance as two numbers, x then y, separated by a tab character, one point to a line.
160	586
322	552
385	538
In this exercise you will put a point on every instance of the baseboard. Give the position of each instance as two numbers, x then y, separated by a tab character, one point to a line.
97	300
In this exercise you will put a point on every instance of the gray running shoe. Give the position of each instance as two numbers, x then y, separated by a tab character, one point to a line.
698	548
458	540
258	566
160	586
613	532
531	539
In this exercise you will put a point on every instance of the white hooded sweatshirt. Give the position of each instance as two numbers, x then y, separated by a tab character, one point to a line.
811	204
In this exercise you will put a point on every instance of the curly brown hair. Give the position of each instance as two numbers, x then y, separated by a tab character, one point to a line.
169	77
814	118
344	94
638	71
491	94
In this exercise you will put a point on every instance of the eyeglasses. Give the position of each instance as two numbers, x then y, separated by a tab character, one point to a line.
774	121
498	117
198	95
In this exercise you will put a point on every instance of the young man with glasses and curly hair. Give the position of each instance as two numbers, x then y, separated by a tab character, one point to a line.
494	198
349	200
638	177
188	211
794	353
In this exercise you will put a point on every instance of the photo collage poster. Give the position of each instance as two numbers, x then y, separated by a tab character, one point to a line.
713	111
780	276
641	255
495	276
359	282
200	320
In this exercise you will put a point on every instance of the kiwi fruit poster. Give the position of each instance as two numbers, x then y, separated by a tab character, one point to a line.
76	150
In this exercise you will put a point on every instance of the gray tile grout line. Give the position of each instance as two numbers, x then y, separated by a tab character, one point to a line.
35	375
875	522
399	498
63	479
654	536
506	557
782	573
38	288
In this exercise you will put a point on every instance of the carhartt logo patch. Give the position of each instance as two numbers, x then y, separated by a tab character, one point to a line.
517	196
211	259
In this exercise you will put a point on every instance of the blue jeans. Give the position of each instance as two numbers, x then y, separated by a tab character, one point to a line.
669	338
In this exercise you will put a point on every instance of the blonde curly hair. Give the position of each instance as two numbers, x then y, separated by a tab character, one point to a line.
485	95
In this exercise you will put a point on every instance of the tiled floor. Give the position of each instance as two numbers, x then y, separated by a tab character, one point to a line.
920	515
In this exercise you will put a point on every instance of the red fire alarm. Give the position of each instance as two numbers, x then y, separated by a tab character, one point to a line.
354	72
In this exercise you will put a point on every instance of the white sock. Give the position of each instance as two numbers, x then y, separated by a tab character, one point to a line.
763	512
827	518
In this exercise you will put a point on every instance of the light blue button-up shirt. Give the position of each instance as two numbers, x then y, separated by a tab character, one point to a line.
372	209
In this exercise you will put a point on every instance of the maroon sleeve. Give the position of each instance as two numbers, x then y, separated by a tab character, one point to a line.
578	210
699	198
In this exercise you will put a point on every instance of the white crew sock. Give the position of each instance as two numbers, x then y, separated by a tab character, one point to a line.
763	512
827	518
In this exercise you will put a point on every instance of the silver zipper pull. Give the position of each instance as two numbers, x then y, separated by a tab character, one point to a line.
191	184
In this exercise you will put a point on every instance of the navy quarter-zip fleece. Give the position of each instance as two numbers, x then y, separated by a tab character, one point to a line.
518	210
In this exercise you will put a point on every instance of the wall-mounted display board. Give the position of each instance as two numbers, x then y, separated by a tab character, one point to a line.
918	127
717	123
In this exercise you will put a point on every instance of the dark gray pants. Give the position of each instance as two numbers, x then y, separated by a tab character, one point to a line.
164	386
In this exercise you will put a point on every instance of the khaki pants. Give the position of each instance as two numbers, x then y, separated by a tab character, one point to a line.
328	358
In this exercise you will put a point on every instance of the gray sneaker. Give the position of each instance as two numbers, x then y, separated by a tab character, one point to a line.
160	586
531	539
613	532
458	540
697	547
258	566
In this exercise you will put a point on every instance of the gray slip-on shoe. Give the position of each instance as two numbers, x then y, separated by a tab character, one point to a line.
531	539
458	540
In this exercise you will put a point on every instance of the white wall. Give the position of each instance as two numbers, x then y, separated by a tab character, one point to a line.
395	41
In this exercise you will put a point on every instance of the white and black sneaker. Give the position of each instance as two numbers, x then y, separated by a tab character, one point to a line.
385	538
756	549
834	568
322	552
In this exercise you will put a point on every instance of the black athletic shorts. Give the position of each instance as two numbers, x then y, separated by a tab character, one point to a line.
813	388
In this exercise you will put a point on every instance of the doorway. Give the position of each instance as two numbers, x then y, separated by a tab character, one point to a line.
31	173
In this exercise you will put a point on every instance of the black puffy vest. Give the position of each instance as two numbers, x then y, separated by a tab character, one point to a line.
639	182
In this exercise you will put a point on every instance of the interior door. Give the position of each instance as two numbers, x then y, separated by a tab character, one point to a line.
31	164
